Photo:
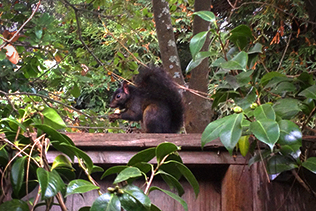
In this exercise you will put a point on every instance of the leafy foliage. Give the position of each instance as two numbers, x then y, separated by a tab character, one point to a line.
265	106
29	167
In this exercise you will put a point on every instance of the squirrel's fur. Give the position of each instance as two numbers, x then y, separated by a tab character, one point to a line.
154	100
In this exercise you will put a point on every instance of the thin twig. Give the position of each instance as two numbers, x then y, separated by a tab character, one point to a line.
285	50
20	29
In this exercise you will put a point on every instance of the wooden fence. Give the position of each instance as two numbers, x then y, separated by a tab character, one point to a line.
226	182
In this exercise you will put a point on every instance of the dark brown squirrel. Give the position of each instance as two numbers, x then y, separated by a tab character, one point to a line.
154	100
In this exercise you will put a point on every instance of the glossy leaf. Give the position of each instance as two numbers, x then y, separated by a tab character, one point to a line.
266	130
188	176
18	173
165	149
257	48
154	208
212	130
241	36
310	92
197	43
129	172
113	170
106	201
290	133
310	164
143	156
13	123
61	161
243	145
260	155
50	183
172	182
287	108
132	193
239	62
206	15
52	118
172	195
79	186
271	75
279	163
82	155
196	61
14	205
231	132
264	111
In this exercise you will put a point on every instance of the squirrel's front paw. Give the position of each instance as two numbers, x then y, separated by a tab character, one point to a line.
113	117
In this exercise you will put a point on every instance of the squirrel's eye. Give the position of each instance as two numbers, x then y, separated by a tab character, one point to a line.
118	96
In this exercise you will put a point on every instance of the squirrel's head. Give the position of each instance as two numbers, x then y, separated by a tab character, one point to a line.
120	96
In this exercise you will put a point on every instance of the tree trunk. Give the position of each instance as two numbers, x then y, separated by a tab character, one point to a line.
167	44
198	110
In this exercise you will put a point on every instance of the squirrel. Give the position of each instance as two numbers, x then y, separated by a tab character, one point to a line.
154	100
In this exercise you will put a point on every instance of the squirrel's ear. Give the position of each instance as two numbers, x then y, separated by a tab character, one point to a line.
125	87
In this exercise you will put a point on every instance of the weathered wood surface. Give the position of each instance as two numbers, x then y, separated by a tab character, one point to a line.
117	149
140	140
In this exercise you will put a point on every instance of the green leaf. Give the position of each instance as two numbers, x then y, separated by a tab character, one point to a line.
266	130
290	133
239	62
50	183
107	201
257	48
310	92
58	140
172	195
287	108
280	163
196	61
264	111
243	145
13	124
75	91
207	16
52	118
231	131
143	156
82	155
310	164
113	170
2	54
271	75
240	36
38	32
80	186
61	161
188	176
165	149
172	182
197	43
15	205
154	208
212	130
259	156
18	173
132	193
129	172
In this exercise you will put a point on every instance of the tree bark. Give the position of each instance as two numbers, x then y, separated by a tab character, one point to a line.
167	44
198	110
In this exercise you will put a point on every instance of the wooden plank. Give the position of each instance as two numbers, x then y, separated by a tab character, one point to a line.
140	140
188	157
237	189
275	195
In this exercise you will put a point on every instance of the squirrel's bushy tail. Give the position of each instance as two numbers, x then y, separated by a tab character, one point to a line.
158	85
